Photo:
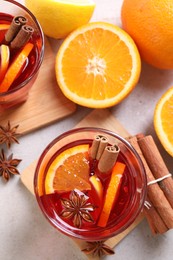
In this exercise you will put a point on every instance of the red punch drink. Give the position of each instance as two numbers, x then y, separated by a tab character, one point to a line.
21	53
90	184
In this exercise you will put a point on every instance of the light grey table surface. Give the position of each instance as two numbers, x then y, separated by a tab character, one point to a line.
25	233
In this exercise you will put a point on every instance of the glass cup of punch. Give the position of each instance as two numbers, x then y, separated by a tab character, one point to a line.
90	184
21	52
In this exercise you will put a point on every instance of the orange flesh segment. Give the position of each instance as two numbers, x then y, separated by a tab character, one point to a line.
163	120
73	175
15	67
5	57
111	193
97	185
4	26
69	171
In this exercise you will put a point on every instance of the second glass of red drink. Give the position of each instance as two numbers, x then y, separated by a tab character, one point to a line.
90	183
21	52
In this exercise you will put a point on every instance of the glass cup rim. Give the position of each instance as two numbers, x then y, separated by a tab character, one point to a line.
22	84
61	226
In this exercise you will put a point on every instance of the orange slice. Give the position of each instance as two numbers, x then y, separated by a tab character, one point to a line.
97	65
69	171
4	26
163	120
5	58
97	185
15	67
111	193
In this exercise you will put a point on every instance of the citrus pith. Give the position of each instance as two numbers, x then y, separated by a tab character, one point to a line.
97	65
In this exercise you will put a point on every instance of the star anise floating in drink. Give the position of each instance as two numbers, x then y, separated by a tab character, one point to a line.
8	134
8	165
77	208
98	248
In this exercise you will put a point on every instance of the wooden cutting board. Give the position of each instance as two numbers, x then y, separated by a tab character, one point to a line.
103	119
46	103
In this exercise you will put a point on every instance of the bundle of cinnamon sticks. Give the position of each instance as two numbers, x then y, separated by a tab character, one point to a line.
18	33
159	202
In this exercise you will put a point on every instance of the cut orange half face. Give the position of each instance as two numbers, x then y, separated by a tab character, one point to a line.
69	171
97	65
163	120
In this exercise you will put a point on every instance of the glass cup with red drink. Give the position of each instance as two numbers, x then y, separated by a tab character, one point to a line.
90	183
21	52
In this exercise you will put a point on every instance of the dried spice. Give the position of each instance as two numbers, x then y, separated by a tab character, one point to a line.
8	165
77	208
98	248
8	134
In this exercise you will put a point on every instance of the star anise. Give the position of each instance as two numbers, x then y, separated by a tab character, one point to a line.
8	134
98	248
8	165
77	208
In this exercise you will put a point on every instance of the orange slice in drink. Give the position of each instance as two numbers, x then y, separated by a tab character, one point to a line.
69	171
97	65
4	26
97	185
111	193
15	67
5	58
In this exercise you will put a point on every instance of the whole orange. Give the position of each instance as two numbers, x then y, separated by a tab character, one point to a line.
150	24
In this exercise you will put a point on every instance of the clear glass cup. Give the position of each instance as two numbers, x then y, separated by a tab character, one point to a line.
19	92
136	178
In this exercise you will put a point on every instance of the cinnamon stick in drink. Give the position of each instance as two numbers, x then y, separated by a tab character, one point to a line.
15	27
108	158
102	145
22	37
156	195
94	147
98	145
157	165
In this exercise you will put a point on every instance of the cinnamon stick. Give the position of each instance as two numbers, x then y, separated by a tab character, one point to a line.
22	37
98	145
157	165
94	147
108	158
15	27
155	222
102	145
155	194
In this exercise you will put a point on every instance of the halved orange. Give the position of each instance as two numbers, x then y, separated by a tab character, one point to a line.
163	120
97	65
69	171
